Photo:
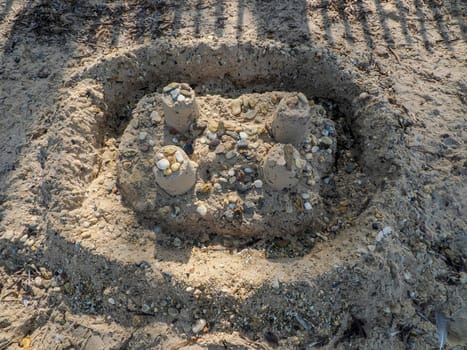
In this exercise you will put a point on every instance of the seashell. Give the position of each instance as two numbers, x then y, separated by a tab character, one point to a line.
175	167
163	164
169	150
179	157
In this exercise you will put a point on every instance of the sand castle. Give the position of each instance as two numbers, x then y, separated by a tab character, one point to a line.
248	166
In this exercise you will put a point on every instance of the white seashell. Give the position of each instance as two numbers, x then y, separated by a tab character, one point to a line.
163	164
179	157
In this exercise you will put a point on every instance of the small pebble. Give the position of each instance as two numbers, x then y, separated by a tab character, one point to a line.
243	135
202	210
174	93
177	242
188	148
236	107
229	214
306	196
258	183
248	170
387	230
211	135
314	149
230	154
163	164
307	205
155	117
242	143
111	301
325	142
249	208
181	98
231	172
275	283
167	172
379	236
232	134
179	157
142	135
198	326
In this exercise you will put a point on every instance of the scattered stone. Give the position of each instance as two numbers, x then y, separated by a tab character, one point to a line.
236	106
307	206
202	210
211	135
258	184
142	135
242	143
275	283
387	231
228	214
326	142
314	149
188	148
230	154
198	326
250	115
243	135
249	208
174	94
155	117
350	168
177	242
